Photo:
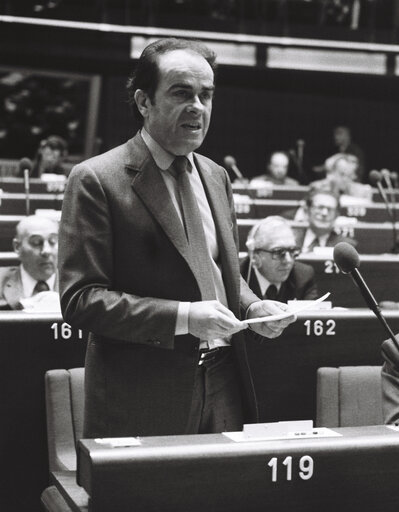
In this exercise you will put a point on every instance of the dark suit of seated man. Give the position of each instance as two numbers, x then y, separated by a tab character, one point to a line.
271	269
321	209
390	382
36	243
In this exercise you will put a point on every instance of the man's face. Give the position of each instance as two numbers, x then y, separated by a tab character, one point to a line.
51	157
322	213
278	166
37	247
341	136
274	268
179	116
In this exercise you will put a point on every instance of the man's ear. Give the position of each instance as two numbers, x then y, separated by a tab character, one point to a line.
16	245
142	101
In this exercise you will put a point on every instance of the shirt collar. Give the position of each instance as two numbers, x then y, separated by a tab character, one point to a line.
311	235
29	283
162	158
264	283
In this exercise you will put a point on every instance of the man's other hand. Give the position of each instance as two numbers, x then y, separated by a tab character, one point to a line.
209	319
266	308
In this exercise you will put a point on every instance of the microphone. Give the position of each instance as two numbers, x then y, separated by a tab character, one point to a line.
230	162
394	179
386	175
375	179
25	168
347	259
300	145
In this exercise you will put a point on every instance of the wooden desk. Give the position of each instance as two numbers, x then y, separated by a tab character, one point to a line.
30	344
372	238
355	470
37	186
260	208
14	203
291	192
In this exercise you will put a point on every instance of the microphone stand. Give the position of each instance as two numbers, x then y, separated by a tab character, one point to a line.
27	191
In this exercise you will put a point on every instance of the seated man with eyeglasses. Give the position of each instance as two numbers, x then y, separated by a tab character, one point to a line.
320	211
270	268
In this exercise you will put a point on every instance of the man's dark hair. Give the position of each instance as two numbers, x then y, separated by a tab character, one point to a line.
146	77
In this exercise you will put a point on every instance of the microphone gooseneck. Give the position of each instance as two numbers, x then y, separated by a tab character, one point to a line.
375	179
231	163
25	168
348	261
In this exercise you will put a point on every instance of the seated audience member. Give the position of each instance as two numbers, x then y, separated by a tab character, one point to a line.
321	211
390	382
50	157
277	171
343	144
270	267
36	244
342	172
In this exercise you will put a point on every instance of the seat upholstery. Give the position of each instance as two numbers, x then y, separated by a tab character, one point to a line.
349	396
64	413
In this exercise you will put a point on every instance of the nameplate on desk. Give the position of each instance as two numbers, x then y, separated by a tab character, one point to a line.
118	442
280	430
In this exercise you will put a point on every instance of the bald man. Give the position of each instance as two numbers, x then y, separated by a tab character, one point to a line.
277	171
36	244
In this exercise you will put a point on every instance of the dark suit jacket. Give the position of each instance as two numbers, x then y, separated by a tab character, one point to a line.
300	284
390	382
333	239
11	290
124	267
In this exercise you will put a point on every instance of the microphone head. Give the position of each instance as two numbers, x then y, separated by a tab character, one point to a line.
346	257
25	164
229	161
375	177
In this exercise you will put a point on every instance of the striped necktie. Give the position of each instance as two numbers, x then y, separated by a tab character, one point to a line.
199	253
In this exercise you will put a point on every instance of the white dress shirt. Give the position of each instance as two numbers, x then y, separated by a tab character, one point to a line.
29	283
164	160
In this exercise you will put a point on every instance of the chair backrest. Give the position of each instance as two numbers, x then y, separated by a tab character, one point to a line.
64	414
349	396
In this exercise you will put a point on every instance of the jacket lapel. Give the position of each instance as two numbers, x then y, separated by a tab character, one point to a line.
215	192
13	289
150	186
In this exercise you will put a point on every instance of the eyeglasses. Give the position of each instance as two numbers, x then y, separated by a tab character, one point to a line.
320	208
279	253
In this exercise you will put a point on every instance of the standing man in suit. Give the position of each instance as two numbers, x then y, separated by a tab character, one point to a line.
149	265
270	268
36	244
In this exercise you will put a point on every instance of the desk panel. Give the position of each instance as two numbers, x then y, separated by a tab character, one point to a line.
357	470
37	186
291	192
284	369
30	344
15	204
372	238
260	208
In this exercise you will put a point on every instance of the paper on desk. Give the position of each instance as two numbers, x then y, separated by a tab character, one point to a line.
290	312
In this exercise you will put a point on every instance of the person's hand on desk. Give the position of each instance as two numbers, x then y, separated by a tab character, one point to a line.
209	319
265	308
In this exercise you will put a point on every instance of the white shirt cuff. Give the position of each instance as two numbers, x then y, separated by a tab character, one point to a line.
182	318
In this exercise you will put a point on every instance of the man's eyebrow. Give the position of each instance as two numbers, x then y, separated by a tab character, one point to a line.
188	86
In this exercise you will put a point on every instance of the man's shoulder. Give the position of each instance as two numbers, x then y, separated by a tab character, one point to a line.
208	162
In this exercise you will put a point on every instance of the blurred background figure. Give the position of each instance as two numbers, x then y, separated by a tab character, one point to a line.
36	244
322	207
271	269
276	171
50	157
342	172
343	145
